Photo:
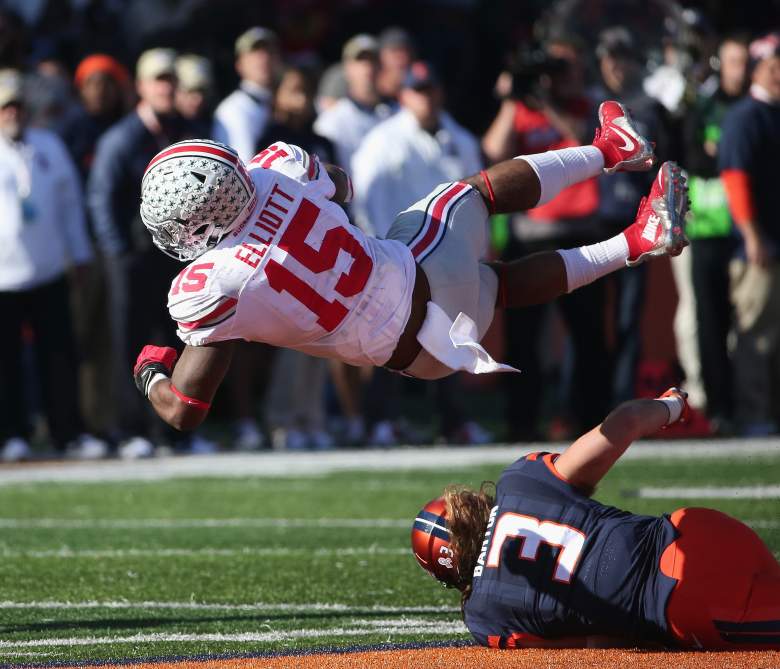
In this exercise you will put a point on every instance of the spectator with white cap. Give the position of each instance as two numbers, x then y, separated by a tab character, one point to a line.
401	160
240	121
406	156
135	270
396	54
241	118
194	91
349	120
43	237
346	123
332	87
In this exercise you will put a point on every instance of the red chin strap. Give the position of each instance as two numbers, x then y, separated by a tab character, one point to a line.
190	401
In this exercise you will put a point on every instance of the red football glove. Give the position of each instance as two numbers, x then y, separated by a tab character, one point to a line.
151	361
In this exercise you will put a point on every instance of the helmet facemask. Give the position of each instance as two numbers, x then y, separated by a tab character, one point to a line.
193	194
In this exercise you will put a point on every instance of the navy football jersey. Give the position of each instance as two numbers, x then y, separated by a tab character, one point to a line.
555	563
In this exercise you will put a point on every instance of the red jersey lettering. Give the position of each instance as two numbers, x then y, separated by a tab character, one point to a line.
281	279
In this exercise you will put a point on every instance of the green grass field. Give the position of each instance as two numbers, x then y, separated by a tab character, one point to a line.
233	565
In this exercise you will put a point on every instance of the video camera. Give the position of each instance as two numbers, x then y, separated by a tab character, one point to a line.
528	67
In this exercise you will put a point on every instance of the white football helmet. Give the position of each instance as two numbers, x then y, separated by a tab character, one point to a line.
192	194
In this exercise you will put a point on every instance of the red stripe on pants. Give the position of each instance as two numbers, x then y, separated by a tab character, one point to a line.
435	222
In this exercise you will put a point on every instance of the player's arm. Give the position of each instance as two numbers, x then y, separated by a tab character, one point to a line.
589	458
343	183
182	395
294	162
741	142
739	194
500	138
508	186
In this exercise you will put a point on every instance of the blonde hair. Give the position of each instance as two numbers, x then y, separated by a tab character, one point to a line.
467	516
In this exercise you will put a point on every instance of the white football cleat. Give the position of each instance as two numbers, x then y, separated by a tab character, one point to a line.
15	449
321	440
135	448
198	445
86	447
383	435
248	436
289	439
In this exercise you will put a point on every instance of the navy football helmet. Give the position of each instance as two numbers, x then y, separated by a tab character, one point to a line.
431	543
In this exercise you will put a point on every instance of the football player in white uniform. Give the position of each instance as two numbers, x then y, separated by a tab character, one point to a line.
273	258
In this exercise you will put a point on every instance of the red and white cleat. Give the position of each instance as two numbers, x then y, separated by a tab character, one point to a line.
658	229
623	147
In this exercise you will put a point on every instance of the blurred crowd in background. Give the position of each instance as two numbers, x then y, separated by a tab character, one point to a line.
404	95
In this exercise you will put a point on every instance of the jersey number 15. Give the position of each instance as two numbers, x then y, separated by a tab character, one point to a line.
329	313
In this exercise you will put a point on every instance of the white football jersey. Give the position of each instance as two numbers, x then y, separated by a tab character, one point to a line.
297	274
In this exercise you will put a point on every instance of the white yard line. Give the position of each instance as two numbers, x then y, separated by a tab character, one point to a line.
258	607
711	492
401	626
189	523
763	524
217	523
67	552
274	464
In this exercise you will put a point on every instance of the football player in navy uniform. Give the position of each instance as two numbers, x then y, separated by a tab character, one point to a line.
542	564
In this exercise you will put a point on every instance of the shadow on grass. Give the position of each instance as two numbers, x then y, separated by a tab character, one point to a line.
151	622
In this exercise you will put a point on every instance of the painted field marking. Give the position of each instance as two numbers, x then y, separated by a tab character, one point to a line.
401	626
190	523
317	464
66	552
711	492
255	607
217	523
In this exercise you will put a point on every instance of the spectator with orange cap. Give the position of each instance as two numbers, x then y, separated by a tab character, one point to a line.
103	86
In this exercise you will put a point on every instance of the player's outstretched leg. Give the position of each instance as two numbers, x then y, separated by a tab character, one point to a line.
528	181
657	230
624	148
